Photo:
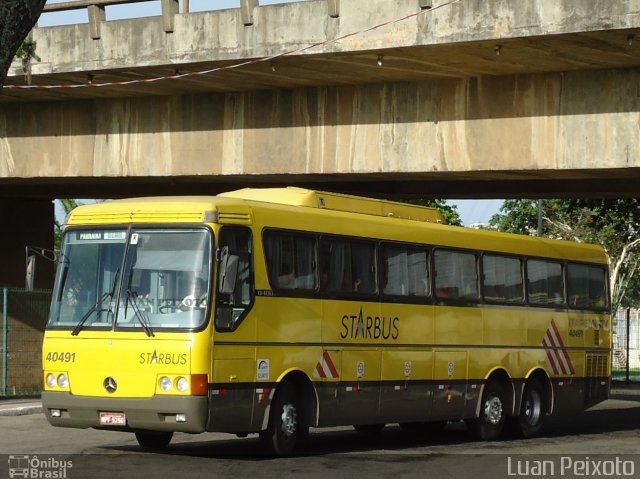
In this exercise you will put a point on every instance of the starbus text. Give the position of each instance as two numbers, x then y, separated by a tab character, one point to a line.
372	327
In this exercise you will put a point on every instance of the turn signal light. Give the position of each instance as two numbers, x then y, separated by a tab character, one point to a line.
199	385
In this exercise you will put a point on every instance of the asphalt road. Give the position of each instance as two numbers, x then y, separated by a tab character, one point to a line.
590	444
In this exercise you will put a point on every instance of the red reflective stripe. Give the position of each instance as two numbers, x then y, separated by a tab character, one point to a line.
320	371
330	365
557	353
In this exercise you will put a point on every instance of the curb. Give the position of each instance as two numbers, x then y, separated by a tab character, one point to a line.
625	394
21	410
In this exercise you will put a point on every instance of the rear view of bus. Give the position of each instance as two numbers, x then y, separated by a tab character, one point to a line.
125	346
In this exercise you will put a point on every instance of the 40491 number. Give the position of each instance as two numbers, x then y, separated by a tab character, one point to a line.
61	357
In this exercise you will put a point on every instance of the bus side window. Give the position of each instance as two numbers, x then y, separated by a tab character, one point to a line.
405	270
544	282
347	266
456	275
502	279
291	260
586	286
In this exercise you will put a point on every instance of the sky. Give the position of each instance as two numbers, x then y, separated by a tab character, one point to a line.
470	211
476	211
142	9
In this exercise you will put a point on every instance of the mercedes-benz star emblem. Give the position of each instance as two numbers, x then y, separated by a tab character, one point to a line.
110	385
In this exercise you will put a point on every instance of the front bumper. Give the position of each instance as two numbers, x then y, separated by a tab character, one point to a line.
157	413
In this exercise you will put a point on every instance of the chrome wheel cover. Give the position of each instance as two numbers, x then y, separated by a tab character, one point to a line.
289	419
493	410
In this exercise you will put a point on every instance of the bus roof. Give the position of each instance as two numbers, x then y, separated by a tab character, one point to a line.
293	196
297	208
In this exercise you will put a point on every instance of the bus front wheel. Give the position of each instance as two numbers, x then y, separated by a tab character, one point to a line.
488	426
153	439
286	427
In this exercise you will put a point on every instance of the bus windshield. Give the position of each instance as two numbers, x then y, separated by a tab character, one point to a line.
144	278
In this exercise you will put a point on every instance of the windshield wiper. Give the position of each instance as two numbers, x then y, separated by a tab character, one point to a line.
132	296
87	315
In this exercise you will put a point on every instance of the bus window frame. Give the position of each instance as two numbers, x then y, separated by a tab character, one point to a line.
607	294
431	298
293	292
55	300
128	227
178	226
350	295
215	304
401	298
440	300
523	278
563	265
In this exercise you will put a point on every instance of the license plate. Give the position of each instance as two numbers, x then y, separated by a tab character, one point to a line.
113	419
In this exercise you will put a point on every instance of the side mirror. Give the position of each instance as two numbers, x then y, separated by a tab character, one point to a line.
228	272
30	272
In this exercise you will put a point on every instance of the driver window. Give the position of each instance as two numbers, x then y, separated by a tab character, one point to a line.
232	306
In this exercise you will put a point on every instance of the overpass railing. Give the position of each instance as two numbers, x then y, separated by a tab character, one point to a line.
170	8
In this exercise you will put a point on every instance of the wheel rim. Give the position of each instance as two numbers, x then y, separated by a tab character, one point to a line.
533	408
289	420
493	410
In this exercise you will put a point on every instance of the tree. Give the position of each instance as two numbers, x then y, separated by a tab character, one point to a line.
17	18
612	223
68	205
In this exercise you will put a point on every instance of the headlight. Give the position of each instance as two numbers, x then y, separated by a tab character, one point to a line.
165	384
63	381
182	384
51	381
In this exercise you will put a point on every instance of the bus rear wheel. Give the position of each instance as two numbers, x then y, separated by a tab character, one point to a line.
153	439
489	425
530	421
286	427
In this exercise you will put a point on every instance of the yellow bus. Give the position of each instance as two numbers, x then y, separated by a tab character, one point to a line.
274	310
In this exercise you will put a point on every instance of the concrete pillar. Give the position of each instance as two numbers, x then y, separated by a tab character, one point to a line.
25	223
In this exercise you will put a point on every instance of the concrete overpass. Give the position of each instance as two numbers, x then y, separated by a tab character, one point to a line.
468	98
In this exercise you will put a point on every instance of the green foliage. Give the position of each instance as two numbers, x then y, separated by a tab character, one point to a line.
27	51
516	216
612	223
450	212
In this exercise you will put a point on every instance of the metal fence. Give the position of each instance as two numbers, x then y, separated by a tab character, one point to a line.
24	316
626	346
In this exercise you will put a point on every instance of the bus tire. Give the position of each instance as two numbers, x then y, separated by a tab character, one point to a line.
153	439
489	425
286	427
368	429
530	421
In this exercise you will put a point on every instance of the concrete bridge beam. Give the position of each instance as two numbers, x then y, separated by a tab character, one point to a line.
541	126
